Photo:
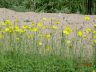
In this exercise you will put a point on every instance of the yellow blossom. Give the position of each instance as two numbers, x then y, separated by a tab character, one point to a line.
40	43
88	30
10	29
3	23
80	33
94	32
35	29
48	36
54	27
7	29
44	19
20	30
8	22
67	30
87	18
26	27
16	27
40	24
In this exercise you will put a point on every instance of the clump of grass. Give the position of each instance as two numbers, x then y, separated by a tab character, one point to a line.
37	63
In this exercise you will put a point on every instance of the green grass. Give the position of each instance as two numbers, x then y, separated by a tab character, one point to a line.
17	62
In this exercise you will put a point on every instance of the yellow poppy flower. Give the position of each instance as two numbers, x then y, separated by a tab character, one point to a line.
44	19
94	32
8	22
26	27
40	43
80	33
3	23
87	18
35	29
54	27
67	30
88	30
11	29
20	30
7	29
48	36
16	27
40	24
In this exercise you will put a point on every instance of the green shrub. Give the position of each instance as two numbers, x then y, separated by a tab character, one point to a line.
64	6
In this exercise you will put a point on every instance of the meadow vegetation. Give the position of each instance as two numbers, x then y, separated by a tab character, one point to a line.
38	47
56	47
